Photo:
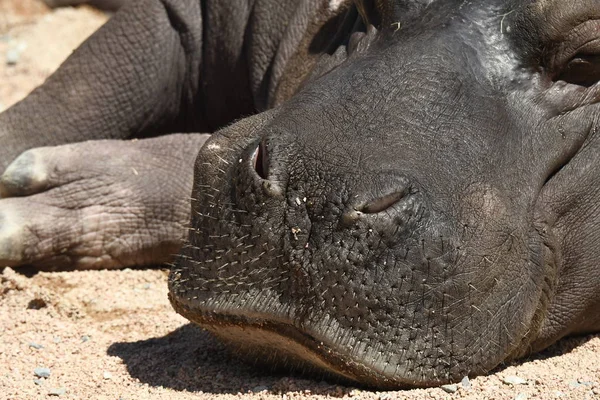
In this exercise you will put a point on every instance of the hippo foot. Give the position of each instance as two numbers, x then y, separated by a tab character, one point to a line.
97	204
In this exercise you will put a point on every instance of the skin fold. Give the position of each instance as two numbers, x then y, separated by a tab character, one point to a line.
398	192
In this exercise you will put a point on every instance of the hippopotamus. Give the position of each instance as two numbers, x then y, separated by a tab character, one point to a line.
397	193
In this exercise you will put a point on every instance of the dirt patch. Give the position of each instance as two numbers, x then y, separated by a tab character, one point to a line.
113	334
34	41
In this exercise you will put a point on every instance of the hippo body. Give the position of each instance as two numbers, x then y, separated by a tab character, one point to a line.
399	192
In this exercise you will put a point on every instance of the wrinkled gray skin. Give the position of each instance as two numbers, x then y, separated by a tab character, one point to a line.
415	199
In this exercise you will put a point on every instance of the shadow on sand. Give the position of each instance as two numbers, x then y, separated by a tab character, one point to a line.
558	349
190	359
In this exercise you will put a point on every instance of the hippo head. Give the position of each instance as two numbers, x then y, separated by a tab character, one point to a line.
388	223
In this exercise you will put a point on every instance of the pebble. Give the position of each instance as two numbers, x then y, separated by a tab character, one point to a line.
521	396
85	338
12	57
42	372
107	375
57	392
466	383
449	388
35	346
514	380
38	382
576	384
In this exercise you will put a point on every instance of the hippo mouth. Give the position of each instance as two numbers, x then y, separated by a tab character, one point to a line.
278	344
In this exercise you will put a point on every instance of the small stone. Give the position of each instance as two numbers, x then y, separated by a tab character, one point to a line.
12	57
521	396
580	383
107	375
258	389
85	338
449	388
514	380
574	384
42	372
57	339
466	383
147	286
57	392
38	382
36	304
35	346
558	394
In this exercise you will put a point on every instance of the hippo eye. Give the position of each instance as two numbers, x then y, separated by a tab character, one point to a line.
382	203
577	59
583	70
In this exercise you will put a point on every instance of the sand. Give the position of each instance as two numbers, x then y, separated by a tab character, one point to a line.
113	334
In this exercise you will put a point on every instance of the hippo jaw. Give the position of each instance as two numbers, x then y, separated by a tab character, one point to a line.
270	343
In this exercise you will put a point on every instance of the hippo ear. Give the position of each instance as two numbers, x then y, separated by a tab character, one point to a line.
370	11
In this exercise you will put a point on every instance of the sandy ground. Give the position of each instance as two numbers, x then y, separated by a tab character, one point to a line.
113	334
34	42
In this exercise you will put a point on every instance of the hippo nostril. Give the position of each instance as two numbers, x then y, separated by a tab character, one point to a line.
260	160
382	203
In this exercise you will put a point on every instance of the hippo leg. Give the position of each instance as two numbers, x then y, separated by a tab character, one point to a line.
67	207
115	88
